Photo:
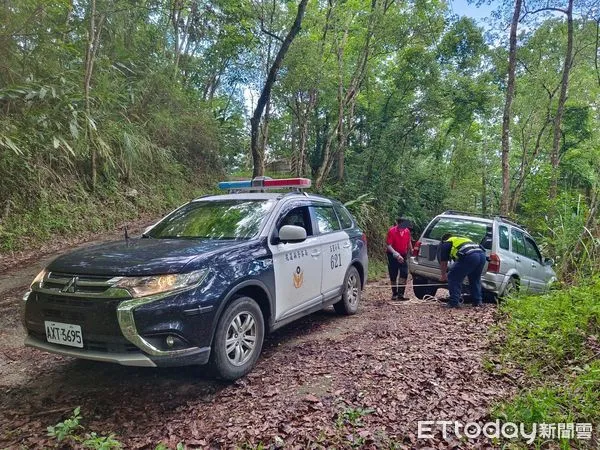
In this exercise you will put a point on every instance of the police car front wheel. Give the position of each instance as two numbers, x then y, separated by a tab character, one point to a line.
238	339
351	293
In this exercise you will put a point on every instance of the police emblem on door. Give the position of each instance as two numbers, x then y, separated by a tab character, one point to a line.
298	277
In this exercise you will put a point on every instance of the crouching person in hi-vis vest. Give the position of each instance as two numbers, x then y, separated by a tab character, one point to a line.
470	260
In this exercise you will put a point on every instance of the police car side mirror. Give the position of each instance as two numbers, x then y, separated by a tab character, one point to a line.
292	233
548	262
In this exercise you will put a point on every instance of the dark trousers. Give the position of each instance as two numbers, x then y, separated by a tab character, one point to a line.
470	266
395	268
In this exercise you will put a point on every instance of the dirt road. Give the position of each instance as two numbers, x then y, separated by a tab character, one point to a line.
325	381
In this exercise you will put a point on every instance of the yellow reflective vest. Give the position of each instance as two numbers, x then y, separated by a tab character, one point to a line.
457	242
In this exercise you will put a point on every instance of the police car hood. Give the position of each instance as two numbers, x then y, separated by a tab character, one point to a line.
138	257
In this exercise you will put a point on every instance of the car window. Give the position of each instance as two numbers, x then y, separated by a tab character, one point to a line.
518	242
327	221
228	219
532	250
471	229
344	216
504	238
298	216
488	238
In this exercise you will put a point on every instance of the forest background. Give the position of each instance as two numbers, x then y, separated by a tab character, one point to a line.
115	109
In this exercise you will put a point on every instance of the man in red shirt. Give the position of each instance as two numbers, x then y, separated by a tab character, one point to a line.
398	244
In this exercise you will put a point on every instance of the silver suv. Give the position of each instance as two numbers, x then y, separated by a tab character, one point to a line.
514	260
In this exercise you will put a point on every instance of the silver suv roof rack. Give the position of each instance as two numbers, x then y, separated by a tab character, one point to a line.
502	218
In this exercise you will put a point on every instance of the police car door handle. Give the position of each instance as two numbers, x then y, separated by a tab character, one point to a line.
533	265
517	259
346	245
315	253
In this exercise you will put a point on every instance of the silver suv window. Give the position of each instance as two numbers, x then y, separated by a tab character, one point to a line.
518	242
532	250
504	237
472	229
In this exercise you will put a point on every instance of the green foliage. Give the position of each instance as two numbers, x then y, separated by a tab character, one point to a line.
75	212
69	431
352	417
372	220
555	340
563	232
399	103
545	333
93	441
68	428
377	268
149	131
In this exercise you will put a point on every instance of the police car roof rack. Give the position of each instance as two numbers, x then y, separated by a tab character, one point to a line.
262	184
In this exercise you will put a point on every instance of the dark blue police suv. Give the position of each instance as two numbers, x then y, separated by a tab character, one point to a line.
204	284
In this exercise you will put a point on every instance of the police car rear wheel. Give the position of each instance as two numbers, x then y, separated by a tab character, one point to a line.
238	339
351	293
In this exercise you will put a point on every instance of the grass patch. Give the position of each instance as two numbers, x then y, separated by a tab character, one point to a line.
377	269
553	341
74	211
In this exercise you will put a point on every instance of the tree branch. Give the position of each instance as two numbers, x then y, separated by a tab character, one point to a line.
269	33
536	11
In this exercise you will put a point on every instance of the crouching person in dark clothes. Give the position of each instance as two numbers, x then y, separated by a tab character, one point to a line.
470	260
398	245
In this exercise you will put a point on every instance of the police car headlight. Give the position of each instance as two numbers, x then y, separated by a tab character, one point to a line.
145	286
39	278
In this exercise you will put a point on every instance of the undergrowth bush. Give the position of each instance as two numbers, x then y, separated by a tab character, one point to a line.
71	434
554	341
546	333
71	210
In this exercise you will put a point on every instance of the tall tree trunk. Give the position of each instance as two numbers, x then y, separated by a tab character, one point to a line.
93	42
510	92
303	115
264	128
178	43
562	99
484	178
258	157
302	167
346	102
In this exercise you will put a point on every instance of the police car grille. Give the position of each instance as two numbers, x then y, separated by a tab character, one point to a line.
84	284
96	316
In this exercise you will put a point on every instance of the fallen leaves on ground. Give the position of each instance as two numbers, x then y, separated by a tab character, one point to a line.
361	381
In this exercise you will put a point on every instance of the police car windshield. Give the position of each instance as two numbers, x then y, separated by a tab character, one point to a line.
472	229
227	219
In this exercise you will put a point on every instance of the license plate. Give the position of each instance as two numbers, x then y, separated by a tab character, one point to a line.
64	334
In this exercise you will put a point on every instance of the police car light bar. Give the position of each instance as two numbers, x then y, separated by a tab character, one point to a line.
260	183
